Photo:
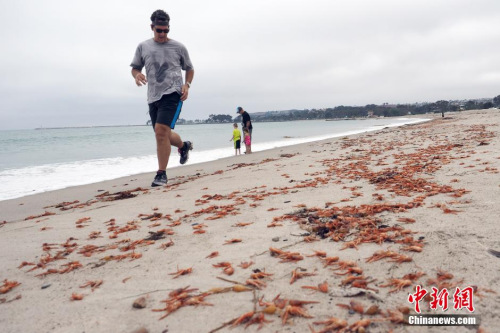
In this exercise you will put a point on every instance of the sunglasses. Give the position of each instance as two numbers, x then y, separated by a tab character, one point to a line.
161	30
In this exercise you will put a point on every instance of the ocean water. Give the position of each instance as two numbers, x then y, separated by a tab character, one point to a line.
34	161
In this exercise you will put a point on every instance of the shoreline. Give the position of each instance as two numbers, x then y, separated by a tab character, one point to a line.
427	190
256	121
142	179
96	178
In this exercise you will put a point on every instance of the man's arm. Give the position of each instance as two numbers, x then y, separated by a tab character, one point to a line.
140	79
185	87
247	123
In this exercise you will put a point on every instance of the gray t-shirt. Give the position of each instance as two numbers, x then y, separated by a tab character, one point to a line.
163	62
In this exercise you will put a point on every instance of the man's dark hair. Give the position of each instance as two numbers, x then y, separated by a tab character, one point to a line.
159	16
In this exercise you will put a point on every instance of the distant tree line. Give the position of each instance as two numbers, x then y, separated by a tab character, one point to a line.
343	112
219	119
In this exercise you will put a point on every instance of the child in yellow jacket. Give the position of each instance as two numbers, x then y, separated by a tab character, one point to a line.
237	139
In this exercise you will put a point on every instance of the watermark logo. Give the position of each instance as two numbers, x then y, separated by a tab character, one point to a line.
439	299
442	320
463	298
417	297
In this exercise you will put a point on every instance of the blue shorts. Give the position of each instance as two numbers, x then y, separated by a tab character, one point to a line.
166	111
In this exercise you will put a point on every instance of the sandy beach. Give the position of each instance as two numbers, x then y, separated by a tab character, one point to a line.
329	236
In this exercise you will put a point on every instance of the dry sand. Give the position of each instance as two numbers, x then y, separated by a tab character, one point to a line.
350	197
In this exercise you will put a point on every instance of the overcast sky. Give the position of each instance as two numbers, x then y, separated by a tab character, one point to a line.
67	63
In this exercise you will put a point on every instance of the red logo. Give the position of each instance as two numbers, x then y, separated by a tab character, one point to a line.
417	297
439	299
462	298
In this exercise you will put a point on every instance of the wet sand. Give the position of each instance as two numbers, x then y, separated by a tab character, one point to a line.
352	224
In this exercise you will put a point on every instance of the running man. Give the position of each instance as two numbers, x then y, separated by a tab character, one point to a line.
164	60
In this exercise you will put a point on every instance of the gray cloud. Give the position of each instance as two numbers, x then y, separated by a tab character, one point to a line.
67	63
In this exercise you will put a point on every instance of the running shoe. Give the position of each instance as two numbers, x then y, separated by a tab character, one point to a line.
160	180
184	151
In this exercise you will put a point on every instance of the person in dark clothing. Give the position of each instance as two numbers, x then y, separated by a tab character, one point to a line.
246	122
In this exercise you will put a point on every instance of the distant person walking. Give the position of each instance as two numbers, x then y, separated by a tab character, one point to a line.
237	139
164	58
248	142
246	122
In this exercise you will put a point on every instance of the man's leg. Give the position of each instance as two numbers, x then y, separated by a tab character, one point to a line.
162	134
162	116
175	140
165	138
